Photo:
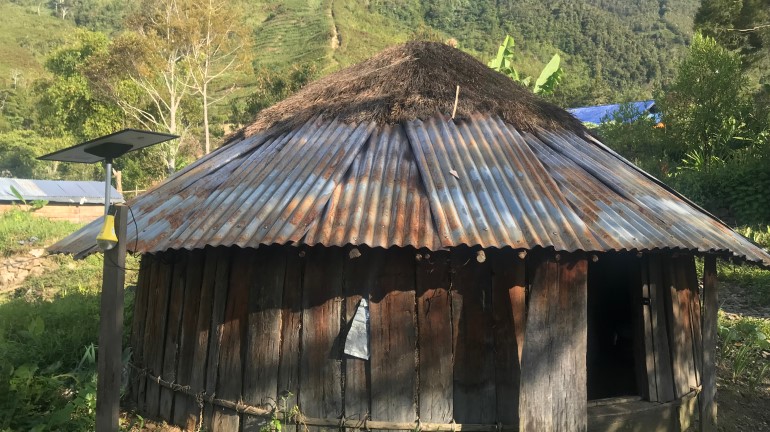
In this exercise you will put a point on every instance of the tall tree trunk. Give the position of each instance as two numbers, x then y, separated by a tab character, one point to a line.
205	94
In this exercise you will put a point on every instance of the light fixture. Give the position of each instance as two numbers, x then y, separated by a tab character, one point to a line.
107	239
109	363
105	149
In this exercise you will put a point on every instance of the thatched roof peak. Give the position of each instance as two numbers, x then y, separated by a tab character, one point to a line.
416	80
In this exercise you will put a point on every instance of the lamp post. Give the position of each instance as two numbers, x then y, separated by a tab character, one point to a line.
109	365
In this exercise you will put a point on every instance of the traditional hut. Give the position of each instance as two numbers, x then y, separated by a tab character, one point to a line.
518	274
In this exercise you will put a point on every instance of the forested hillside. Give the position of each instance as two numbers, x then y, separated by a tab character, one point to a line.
627	46
75	69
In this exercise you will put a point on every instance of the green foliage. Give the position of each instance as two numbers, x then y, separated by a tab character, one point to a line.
546	82
550	77
274	86
742	345
21	230
46	380
48	336
634	135
25	39
754	281
737	191
705	108
722	19
759	235
283	414
68	102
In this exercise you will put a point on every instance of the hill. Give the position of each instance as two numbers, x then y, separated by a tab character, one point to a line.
27	35
612	50
627	47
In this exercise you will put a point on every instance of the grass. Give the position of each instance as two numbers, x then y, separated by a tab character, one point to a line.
21	230
49	334
26	38
753	280
744	348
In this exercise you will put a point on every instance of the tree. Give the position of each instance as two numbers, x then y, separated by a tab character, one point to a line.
68	105
19	150
705	108
742	25
272	86
546	82
147	71
216	51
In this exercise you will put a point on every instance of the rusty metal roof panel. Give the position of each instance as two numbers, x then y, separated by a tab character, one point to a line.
488	188
635	211
381	202
425	183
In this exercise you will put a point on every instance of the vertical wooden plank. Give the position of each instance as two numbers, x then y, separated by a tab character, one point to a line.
664	375
647	336
188	336
109	361
708	404
535	397
682	262
508	313
222	290
695	317
153	266
321	352
676	328
156	330
203	331
360	276
553	371
173	330
138	323
434	320
570	345
230	375
291	330
474	368
394	339
264	332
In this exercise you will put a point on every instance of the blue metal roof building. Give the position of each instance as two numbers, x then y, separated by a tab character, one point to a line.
57	191
601	113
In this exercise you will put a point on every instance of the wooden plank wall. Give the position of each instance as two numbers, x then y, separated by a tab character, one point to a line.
448	333
672	325
553	379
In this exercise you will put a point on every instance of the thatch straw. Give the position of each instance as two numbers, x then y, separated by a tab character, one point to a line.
411	81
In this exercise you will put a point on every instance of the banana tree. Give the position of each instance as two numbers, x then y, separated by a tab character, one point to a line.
546	82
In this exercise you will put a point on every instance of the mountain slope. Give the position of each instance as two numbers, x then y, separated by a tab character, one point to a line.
26	37
629	45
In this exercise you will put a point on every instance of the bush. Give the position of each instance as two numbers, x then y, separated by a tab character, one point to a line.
738	192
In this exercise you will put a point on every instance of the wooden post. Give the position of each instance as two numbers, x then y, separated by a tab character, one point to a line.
118	180
109	366
708	404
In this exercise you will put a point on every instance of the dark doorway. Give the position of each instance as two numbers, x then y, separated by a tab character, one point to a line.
610	357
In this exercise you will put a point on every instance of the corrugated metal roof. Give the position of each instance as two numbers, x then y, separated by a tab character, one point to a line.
601	113
60	191
433	183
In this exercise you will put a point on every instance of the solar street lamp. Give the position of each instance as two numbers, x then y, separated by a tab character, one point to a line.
109	367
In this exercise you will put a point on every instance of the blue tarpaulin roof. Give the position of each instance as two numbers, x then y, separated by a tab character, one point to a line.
601	113
61	191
